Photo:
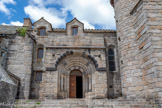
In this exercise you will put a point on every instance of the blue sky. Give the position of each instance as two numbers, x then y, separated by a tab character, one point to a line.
95	14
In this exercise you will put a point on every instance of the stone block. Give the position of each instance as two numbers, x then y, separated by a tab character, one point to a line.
7	94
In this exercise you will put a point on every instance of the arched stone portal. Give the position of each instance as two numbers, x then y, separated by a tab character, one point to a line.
67	66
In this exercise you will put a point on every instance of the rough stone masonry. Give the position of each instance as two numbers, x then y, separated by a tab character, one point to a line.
47	59
139	31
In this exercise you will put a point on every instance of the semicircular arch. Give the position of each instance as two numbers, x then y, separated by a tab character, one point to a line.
79	54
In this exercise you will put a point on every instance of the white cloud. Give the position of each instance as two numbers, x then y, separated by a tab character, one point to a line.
50	14
97	12
5	24
87	25
44	2
3	7
90	12
14	23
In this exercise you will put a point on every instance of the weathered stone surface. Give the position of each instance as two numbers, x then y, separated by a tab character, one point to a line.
8	89
7	94
139	28
20	62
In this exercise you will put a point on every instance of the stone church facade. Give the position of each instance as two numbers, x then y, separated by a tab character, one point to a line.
100	65
63	63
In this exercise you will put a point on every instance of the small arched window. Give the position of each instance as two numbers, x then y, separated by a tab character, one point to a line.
38	76
40	53
42	31
111	58
74	31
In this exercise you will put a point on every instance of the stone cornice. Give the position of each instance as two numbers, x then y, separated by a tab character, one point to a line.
86	30
54	69
74	47
99	31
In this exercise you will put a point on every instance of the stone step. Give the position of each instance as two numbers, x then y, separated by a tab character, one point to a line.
87	106
84	103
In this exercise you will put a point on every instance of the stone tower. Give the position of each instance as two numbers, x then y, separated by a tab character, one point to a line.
139	34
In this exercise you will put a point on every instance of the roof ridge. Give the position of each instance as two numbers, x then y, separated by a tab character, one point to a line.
11	25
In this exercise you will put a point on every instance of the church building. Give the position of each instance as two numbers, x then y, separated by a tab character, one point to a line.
55	63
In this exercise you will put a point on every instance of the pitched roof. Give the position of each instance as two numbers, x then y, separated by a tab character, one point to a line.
44	20
74	20
8	29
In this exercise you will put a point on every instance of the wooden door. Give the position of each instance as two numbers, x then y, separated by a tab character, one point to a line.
72	86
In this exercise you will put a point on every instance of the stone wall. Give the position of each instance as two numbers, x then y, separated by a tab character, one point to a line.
6	32
113	78
150	41
8	89
99	85
3	50
155	30
88	54
19	62
144	43
8	81
132	82
57	42
50	78
47	88
139	40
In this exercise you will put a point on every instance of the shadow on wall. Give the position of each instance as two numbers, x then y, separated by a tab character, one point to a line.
8	89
